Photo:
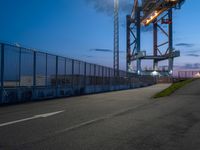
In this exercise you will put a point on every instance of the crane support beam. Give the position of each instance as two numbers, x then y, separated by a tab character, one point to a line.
160	14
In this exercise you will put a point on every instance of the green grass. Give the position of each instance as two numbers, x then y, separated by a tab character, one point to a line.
175	86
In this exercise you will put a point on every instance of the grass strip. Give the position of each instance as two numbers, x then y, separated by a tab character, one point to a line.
174	87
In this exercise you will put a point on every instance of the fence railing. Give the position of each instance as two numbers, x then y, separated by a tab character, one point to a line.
30	75
188	74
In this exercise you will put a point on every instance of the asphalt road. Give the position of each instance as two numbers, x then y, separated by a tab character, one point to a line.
124	120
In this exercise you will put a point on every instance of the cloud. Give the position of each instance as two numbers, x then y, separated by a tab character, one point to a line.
194	66
193	51
101	50
193	55
105	50
106	6
185	44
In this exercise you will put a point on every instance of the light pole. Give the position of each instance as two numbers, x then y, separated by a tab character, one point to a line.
116	38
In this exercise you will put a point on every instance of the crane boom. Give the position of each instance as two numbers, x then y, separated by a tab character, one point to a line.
134	8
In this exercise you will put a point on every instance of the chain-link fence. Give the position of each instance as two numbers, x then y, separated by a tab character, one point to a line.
32	75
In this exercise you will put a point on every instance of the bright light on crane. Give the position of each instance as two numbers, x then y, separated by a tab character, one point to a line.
197	75
153	9
151	17
155	73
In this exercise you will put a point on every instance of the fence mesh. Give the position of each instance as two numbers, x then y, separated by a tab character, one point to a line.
29	75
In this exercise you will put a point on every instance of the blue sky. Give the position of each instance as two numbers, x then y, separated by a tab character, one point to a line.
76	28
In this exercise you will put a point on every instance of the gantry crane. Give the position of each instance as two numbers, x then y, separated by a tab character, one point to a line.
159	14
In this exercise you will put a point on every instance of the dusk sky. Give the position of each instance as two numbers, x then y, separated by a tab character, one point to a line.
82	28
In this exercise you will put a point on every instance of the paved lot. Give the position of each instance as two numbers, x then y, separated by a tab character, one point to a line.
121	120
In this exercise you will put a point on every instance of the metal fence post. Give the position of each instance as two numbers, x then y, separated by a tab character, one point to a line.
34	75
2	72
20	64
90	70
90	75
79	74
102	75
65	76
18	89
72	74
85	72
46	70
95	81
56	76
109	77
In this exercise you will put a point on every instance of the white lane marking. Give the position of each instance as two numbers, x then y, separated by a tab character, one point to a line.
82	124
101	118
31	118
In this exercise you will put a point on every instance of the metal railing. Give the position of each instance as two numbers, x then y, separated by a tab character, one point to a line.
188	74
28	75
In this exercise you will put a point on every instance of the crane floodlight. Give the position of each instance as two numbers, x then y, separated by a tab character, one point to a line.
153	8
